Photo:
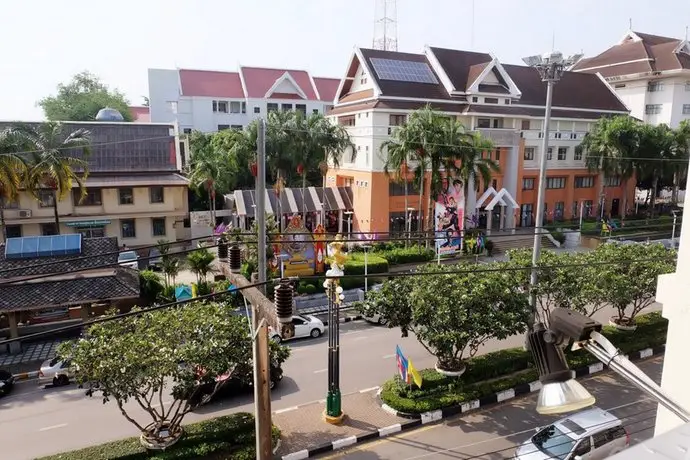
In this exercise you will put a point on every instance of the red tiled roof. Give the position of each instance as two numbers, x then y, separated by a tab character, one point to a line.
140	114
653	53
327	87
259	80
211	83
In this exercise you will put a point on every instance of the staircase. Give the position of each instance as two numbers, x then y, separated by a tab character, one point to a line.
505	242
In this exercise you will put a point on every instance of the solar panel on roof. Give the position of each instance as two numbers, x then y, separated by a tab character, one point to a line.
43	246
408	71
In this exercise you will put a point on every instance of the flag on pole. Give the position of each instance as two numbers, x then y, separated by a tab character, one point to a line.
412	372
402	364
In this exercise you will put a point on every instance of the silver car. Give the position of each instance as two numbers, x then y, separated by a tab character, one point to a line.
56	371
128	259
588	435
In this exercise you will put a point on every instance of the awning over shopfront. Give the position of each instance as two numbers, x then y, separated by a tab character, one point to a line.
293	201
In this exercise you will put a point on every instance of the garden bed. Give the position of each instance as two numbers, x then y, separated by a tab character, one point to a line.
229	438
505	369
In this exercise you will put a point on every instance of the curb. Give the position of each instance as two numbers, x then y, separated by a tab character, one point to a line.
347	319
416	420
26	375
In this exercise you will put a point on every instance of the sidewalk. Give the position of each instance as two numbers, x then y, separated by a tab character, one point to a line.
304	429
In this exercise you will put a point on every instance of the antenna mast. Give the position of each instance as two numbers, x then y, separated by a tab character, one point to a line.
386	25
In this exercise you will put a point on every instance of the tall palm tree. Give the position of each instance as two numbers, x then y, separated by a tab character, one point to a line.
12	170
398	152
205	170
57	161
611	148
655	156
682	153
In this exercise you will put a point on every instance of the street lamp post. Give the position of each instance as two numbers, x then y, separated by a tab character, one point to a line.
673	232
550	67
334	412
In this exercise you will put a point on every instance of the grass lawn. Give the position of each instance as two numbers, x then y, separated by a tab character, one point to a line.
223	438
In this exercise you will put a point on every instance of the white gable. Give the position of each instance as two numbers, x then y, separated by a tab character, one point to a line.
362	80
286	87
490	79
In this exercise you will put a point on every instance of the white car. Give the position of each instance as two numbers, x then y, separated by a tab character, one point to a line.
376	318
305	326
56	371
128	259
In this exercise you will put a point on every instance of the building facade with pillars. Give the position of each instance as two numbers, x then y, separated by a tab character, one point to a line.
505	103
650	73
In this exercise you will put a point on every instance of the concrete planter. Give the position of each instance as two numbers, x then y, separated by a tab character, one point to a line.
627	325
457	373
157	438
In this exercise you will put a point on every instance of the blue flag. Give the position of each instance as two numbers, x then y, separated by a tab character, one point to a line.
402	363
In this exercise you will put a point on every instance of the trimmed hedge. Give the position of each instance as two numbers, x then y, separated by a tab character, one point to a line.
412	254
504	369
229	437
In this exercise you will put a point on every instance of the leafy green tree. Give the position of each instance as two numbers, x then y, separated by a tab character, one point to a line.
12	171
200	262
82	98
170	265
56	162
453	315
150	286
155	356
629	279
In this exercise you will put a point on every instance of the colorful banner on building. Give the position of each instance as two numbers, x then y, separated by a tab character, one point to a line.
449	217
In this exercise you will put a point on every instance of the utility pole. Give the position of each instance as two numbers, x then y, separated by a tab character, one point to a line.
262	371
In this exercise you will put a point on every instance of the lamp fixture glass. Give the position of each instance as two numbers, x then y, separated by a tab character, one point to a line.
560	397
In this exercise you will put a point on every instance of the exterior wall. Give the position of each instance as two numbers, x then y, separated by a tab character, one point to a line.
196	112
174	209
674	94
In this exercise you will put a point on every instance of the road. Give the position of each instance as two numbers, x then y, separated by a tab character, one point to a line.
36	421
496	432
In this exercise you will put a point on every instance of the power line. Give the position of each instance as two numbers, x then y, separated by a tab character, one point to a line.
135	313
374	275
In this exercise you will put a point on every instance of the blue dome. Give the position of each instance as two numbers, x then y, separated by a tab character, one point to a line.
109	114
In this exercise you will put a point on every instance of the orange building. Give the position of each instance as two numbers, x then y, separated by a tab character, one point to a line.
503	102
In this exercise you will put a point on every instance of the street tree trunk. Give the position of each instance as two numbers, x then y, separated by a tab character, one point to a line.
304	200
55	211
624	209
421	205
600	194
652	204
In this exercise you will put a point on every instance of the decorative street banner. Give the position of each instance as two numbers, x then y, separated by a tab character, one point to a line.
320	248
449	217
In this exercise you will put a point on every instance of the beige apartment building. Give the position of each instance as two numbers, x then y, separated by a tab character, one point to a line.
134	191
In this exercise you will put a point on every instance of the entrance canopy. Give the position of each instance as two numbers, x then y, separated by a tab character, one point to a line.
292	200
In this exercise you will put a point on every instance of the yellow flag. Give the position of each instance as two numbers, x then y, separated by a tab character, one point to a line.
416	376
194	290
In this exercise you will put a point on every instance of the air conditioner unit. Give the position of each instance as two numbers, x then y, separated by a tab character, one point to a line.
24	213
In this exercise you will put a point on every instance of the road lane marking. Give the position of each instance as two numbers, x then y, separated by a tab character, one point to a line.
320	371
367	390
389	356
360	338
53	427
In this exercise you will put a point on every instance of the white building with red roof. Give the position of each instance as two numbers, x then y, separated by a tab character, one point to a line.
210	101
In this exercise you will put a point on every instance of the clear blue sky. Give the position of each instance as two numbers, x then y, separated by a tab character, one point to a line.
45	42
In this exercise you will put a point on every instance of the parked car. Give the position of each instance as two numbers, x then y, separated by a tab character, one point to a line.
376	318
56	371
6	382
305	326
128	259
155	260
593	434
232	383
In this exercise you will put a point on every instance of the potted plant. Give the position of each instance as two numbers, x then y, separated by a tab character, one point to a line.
489	246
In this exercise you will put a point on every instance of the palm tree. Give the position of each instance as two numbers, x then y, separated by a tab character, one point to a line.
398	153
655	156
206	168
201	263
682	153
57	161
12	170
611	147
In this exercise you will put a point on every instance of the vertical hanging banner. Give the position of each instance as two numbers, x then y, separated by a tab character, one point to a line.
320	248
449	217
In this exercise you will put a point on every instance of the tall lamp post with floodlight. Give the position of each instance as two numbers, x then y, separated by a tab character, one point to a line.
560	392
550	67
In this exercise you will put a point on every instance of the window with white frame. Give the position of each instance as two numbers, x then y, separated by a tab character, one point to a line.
686	109
555	182
612	181
549	154
578	155
584	182
562	153
652	109
220	106
529	153
235	107
655	86
687	86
